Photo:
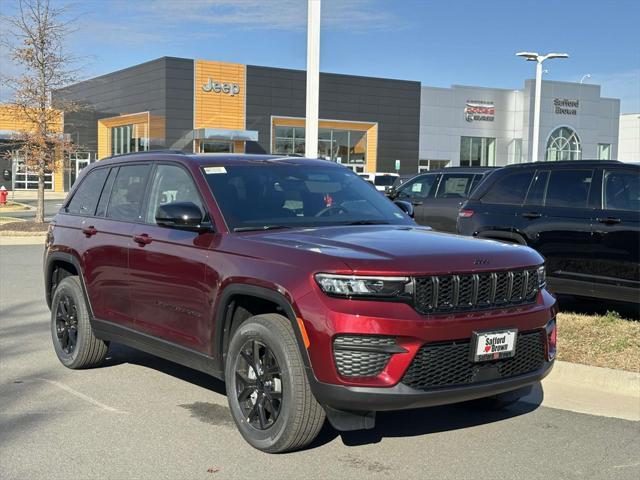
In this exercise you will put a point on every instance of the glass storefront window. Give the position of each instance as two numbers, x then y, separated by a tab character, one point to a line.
477	152
342	146
129	138
604	151
563	144
215	146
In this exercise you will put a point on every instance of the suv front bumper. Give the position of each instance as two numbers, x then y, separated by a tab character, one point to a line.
400	396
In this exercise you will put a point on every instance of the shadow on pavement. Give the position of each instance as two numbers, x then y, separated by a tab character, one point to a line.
404	423
596	306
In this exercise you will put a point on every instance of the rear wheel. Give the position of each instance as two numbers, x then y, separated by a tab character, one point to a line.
267	388
73	340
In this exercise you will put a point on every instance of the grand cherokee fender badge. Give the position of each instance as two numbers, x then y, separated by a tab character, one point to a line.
481	261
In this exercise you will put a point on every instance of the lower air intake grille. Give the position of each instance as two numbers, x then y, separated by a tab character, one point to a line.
356	355
448	364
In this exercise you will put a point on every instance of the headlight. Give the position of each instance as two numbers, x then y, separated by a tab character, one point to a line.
359	286
542	277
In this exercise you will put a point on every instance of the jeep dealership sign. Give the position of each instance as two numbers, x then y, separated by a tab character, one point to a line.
231	89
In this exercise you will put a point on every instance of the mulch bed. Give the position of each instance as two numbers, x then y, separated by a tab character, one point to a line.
26	227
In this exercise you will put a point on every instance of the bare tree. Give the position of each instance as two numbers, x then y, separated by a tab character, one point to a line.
35	39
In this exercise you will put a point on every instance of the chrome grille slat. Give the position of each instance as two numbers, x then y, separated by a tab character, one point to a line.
459	292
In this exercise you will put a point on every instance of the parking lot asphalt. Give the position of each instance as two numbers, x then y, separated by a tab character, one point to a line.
140	417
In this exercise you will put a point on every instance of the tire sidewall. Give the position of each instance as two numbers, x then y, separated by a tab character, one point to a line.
71	287
261	439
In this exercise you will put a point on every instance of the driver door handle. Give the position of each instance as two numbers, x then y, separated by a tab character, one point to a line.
531	215
609	220
142	239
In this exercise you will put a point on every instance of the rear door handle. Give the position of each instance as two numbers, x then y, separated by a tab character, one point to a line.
89	231
142	239
608	220
531	215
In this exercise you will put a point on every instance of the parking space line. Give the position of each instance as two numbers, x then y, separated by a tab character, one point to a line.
82	396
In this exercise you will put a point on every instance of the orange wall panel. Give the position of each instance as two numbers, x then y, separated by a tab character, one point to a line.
219	109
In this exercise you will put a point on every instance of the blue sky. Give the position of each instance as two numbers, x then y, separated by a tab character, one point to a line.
436	42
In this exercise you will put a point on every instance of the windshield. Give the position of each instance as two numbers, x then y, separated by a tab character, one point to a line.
284	195
384	180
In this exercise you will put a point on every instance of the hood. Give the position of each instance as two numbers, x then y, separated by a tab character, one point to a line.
402	249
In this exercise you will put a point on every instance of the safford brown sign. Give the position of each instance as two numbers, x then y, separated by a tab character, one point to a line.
564	106
480	110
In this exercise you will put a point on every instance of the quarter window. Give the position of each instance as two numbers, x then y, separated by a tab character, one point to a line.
127	193
86	197
621	190
171	184
510	189
569	188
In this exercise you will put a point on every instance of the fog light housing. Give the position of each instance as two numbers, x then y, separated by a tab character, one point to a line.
552	339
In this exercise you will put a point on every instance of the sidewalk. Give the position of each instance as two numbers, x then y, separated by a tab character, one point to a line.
33	195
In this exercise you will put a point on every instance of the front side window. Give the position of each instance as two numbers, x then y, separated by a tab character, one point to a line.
569	188
127	193
510	189
85	198
171	184
538	188
477	152
418	188
454	185
621	190
289	195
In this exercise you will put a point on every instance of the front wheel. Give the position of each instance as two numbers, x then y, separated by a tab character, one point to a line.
267	388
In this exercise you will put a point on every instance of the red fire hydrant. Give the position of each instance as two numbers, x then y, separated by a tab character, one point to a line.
3	195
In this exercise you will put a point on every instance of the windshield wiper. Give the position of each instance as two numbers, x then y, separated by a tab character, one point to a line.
367	222
260	228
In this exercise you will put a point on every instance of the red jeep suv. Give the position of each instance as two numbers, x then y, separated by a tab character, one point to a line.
296	282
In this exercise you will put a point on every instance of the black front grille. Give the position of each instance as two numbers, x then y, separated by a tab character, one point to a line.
362	355
448	293
444	365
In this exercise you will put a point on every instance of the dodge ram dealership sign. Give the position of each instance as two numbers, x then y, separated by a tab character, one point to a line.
479	110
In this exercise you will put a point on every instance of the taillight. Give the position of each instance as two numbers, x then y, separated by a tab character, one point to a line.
552	339
465	213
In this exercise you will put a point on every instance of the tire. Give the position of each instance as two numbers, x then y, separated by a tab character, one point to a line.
293	417
501	401
69	312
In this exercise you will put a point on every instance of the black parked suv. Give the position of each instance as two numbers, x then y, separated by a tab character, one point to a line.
582	216
437	195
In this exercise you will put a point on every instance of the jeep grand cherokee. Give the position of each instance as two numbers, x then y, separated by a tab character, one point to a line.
308	292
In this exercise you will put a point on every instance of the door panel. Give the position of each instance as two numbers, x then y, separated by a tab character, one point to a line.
168	267
617	230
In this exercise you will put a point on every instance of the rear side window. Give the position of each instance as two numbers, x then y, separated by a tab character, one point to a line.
127	194
569	188
621	190
454	185
418	188
384	180
510	189
85	199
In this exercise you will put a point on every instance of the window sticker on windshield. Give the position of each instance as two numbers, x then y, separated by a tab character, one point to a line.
214	170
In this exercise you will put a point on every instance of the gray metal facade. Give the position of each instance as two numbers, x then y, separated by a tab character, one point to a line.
163	87
393	104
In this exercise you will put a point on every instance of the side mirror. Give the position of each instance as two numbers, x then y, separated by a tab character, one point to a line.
406	207
181	215
6	174
390	192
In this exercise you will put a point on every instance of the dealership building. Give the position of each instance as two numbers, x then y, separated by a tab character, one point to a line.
366	123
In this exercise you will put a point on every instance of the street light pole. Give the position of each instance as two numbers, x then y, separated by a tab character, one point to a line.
584	77
313	79
539	59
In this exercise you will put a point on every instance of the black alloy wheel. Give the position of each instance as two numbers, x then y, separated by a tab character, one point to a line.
258	384
67	324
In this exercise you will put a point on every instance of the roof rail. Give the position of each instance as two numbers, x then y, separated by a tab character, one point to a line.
566	162
167	151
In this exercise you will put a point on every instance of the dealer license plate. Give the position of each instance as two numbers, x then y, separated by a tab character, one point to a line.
493	345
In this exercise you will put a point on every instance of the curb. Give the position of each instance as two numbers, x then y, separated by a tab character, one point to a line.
6	240
606	380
